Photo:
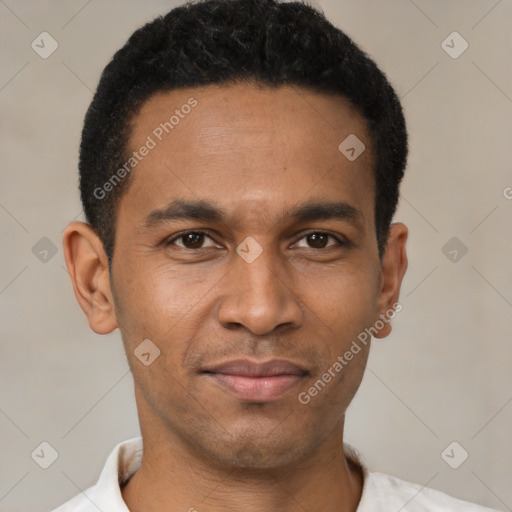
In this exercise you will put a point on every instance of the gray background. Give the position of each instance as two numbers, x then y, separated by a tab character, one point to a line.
444	373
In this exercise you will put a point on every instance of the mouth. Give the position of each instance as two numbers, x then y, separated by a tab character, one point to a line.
254	381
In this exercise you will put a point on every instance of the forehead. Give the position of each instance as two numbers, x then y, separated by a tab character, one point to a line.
222	111
247	148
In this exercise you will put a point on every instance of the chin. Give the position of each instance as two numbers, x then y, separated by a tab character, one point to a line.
258	448
252	456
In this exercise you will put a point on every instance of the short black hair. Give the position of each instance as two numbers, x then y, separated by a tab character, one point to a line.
208	42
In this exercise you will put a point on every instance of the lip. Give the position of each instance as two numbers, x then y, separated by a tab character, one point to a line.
256	381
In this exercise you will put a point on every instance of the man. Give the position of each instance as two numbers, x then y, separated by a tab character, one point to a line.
239	169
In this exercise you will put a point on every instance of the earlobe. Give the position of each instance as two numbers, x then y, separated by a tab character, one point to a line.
87	266
394	266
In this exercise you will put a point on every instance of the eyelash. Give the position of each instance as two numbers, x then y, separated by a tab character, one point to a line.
170	241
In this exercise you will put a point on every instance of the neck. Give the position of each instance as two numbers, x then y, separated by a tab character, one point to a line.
173	477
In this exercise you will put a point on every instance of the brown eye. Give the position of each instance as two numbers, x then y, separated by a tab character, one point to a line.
191	240
318	240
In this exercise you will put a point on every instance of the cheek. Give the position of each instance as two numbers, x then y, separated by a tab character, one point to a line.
343	298
160	302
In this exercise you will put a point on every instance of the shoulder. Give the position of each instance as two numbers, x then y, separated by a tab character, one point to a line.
80	503
399	494
387	493
106	495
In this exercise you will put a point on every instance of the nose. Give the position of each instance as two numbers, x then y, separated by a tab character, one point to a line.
259	296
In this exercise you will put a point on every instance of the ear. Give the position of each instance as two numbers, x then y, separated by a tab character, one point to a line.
393	267
87	265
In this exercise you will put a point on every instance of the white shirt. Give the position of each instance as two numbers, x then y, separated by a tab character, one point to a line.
381	493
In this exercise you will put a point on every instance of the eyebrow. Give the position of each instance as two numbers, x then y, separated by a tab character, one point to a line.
180	209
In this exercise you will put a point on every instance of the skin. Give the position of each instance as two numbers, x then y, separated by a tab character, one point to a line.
256	153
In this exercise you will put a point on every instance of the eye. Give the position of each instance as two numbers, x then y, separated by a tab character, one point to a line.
319	240
191	240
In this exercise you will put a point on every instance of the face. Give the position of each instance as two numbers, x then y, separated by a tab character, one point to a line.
246	253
